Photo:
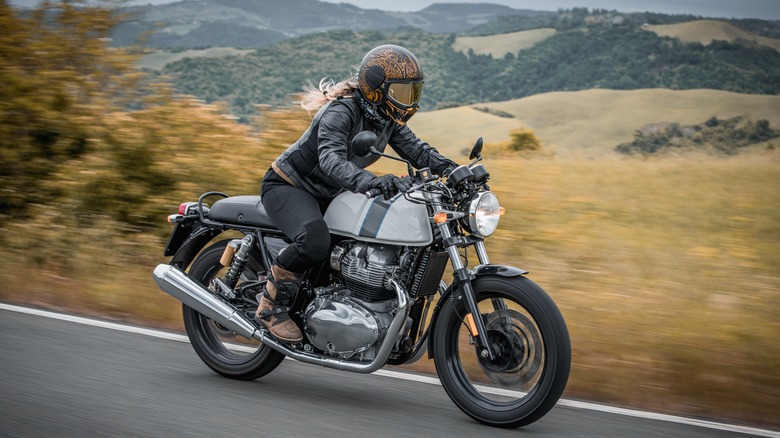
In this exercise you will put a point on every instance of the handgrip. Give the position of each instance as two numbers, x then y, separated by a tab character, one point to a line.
373	193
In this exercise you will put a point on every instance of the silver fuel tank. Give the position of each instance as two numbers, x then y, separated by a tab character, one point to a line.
399	222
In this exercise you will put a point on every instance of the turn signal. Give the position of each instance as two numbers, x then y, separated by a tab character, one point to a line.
501	211
440	217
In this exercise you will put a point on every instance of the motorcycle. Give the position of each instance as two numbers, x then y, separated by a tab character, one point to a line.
499	343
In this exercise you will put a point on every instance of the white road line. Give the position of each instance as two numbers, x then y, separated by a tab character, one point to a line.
415	377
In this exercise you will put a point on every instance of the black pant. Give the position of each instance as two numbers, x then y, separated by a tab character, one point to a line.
298	214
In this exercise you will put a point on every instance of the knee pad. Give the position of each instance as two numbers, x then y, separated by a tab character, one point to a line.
313	243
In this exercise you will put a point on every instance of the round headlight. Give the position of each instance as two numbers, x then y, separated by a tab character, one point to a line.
484	212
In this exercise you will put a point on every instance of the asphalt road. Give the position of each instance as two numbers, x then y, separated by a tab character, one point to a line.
60	378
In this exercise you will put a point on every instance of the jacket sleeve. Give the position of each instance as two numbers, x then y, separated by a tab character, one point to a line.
418	152
332	135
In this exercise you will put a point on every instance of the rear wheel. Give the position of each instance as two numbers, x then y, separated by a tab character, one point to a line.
224	351
532	353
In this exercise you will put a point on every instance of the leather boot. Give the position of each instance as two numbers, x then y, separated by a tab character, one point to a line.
274	305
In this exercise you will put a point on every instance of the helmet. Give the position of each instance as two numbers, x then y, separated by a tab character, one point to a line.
391	78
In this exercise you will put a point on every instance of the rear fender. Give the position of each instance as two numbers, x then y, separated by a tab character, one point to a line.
192	246
479	271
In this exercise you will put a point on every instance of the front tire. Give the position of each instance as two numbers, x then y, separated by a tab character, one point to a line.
222	350
533	353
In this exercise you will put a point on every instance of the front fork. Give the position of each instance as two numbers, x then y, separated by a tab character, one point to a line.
462	278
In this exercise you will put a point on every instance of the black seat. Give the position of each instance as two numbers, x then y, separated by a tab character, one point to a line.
243	210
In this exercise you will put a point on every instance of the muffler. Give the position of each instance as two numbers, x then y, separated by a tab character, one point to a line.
181	286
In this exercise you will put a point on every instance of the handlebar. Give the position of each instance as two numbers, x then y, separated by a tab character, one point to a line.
373	193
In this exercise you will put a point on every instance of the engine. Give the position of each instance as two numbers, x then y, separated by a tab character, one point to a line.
363	267
344	326
352	318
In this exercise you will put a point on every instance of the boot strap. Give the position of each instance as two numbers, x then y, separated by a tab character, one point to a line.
281	313
282	298
285	289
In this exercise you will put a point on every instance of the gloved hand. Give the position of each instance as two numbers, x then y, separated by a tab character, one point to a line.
390	185
445	168
448	170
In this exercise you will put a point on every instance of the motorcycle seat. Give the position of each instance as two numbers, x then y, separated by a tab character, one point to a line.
243	210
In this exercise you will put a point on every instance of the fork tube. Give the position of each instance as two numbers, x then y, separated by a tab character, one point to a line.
463	279
482	254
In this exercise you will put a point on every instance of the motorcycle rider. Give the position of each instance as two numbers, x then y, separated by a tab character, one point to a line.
303	180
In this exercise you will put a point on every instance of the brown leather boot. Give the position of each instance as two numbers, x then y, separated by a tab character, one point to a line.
274	305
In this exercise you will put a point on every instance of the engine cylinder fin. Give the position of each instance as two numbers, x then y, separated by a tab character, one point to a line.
364	269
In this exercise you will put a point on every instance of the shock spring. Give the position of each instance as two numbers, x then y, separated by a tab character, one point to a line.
239	261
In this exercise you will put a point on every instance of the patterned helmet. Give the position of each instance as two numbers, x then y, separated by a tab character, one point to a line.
391	78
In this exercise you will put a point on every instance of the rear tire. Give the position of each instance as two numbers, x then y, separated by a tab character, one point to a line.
533	353
225	352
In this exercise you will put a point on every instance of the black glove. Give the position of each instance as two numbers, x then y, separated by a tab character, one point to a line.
390	185
445	168
448	170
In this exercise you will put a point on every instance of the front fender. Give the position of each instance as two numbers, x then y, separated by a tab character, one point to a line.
479	271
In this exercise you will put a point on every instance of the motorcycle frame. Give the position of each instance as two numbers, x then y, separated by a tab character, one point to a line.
202	231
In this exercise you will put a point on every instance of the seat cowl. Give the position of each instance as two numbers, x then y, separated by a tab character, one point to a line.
242	210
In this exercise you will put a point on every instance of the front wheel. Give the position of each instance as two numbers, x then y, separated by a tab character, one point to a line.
223	350
530	342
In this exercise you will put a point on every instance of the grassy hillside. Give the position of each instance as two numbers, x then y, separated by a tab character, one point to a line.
591	121
707	31
159	59
498	46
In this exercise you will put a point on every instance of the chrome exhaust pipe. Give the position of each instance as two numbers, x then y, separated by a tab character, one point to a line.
182	287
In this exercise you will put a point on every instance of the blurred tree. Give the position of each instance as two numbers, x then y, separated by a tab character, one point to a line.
58	75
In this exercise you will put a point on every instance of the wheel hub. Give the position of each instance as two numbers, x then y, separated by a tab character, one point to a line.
508	351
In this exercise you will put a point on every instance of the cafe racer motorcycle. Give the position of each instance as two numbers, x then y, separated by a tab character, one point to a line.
498	341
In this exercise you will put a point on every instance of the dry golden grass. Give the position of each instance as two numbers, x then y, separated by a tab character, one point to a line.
667	271
501	44
588	122
707	31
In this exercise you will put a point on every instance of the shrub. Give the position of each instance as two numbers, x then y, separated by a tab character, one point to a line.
524	140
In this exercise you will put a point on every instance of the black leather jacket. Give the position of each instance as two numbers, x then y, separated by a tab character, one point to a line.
322	162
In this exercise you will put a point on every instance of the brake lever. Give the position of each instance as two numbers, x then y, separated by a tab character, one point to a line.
411	189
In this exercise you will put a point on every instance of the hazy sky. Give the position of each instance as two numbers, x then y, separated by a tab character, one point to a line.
764	9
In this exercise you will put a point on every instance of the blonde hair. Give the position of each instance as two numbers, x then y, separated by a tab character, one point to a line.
327	91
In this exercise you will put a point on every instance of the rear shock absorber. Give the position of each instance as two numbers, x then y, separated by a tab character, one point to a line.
238	251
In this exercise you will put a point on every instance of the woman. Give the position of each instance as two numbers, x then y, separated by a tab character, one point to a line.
302	181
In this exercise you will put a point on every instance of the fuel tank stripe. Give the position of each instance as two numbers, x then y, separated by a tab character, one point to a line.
374	217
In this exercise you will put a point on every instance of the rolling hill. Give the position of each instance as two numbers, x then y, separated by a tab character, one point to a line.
589	122
707	31
499	45
620	57
258	23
